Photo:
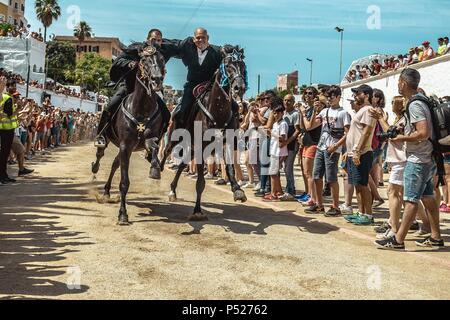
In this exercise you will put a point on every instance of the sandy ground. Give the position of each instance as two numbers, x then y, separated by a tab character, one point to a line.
57	242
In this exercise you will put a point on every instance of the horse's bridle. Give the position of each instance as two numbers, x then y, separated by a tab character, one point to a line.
237	74
144	75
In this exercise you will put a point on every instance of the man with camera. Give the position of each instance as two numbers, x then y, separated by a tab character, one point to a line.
335	123
420	166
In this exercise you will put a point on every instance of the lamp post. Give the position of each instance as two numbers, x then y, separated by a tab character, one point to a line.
341	31
311	71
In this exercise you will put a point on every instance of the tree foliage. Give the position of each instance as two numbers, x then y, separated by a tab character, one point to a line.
61	60
89	69
46	12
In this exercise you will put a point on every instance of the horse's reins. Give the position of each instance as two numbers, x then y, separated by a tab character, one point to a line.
227	95
141	126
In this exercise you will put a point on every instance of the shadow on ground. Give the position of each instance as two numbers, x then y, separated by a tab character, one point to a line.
32	238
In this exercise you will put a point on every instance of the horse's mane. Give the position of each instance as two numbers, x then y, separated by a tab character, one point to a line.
229	49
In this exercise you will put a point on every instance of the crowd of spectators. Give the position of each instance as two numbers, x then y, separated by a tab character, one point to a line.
51	86
47	127
415	55
331	144
12	31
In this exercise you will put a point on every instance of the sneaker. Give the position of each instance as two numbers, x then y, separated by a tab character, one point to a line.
378	203
25	171
364	220
384	236
347	210
209	176
422	233
430	243
260	194
248	186
352	217
303	197
389	244
415	226
287	197
315	209
257	187
333	212
444	209
221	182
308	203
383	228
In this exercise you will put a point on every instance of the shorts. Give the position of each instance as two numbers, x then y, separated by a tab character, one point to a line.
397	173
376	156
359	176
419	181
40	136
17	146
309	152
276	164
326	164
446	158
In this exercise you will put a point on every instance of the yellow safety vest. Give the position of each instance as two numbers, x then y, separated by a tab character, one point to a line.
8	123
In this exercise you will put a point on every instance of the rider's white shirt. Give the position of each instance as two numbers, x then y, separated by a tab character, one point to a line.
201	56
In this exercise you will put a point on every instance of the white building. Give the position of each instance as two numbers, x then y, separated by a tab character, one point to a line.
16	54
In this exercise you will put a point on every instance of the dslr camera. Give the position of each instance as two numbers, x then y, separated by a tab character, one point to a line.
392	133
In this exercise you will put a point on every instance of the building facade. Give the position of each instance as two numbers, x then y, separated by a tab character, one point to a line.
109	48
13	12
288	82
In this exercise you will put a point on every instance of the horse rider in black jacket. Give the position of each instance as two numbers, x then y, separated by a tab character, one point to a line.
202	61
123	72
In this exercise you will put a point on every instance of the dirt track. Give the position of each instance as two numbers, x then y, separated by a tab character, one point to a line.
51	221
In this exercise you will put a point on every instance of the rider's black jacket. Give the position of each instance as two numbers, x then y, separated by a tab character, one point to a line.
121	71
186	50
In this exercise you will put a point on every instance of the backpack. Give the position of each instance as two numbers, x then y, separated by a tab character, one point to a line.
440	118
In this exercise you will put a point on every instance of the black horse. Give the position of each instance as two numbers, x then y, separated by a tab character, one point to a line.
137	124
213	110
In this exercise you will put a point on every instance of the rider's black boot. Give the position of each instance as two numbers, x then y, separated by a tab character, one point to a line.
100	140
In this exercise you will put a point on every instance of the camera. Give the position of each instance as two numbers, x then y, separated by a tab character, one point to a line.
392	133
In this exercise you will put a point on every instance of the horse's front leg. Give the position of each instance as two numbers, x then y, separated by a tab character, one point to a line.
125	154
174	184
238	194
152	147
198	215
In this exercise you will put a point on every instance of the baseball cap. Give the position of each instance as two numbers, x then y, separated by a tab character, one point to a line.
426	43
364	88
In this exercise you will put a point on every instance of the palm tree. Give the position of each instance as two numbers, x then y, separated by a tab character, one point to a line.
46	12
82	31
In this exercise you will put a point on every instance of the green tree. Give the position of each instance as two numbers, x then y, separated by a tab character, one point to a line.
61	59
89	69
46	12
81	32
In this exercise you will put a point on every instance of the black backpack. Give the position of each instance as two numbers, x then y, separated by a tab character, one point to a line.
440	118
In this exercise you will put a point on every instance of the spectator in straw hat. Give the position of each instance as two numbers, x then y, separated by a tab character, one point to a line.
428	52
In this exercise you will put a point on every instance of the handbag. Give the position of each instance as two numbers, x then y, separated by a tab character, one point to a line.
335	133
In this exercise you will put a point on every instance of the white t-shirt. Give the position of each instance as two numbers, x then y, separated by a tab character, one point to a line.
279	129
338	119
361	119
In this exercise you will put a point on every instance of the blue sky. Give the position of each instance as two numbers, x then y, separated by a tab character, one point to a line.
278	35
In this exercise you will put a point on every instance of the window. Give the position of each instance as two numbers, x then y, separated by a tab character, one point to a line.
16	5
2	18
90	48
10	2
23	8
40	70
15	22
34	68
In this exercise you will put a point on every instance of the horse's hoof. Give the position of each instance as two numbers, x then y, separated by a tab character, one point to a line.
100	200
123	221
172	197
155	173
239	195
95	167
198	217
